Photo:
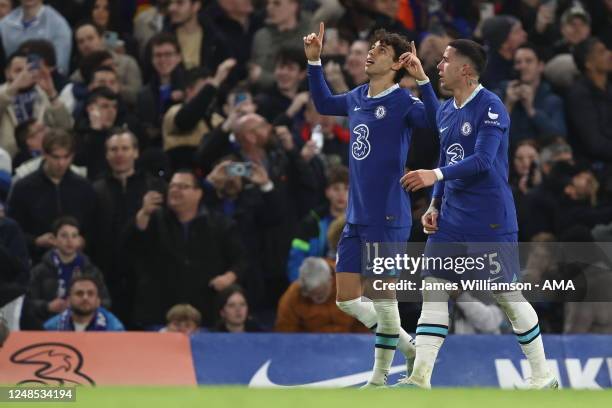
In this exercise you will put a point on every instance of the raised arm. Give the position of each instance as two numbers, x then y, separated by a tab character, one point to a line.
324	101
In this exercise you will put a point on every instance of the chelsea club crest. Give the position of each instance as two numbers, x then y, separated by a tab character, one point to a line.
466	129
380	112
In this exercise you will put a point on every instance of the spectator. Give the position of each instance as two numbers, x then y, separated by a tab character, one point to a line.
182	253
148	23
535	111
254	204
83	312
286	27
44	50
575	28
237	22
89	39
53	190
101	110
589	102
503	34
164	89
185	124
106	15
233	312
200	42
289	73
36	20
6	6
14	256
183	318
525	173
48	289
335	137
28	94
353	66
309	304
553	153
119	196
311	237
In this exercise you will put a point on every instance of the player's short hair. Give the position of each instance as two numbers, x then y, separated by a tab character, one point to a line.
399	43
314	272
184	312
473	51
337	174
582	52
63	221
41	47
288	56
536	50
55	138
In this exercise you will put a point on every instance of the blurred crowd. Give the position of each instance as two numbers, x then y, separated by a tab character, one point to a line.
162	166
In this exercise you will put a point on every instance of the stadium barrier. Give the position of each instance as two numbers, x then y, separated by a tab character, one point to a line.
57	358
284	360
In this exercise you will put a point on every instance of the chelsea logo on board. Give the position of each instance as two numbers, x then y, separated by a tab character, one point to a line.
466	129
380	112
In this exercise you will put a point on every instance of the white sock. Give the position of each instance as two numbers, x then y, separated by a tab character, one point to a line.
432	329
387	338
363	310
525	325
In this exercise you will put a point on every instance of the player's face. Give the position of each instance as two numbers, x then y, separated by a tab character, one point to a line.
84	298
236	310
68	239
379	60
450	69
527	64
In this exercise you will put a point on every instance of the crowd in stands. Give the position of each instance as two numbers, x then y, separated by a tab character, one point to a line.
161	165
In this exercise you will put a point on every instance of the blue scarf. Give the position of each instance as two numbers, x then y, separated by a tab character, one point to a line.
98	323
23	104
65	272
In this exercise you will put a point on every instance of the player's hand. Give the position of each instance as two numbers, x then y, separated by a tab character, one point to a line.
418	179
430	220
412	64
313	44
221	282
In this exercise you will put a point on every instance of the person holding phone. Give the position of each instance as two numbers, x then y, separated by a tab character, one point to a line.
29	93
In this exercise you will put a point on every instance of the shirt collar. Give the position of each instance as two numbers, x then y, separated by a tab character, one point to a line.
20	17
468	100
384	93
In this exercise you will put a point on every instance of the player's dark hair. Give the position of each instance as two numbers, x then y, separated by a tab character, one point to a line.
536	50
582	52
63	221
41	47
337	174
287	56
473	52
399	43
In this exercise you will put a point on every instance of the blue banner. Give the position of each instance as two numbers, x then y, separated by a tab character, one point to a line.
344	360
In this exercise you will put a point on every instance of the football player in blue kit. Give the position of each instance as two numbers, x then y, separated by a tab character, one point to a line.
381	116
471	203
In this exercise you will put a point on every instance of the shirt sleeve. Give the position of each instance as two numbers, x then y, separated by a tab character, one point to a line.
324	101
422	114
490	133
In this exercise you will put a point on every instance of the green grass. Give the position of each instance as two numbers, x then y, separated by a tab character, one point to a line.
239	397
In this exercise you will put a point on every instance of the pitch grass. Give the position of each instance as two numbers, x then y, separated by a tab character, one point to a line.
241	397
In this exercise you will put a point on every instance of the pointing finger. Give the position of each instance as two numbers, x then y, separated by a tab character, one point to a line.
321	30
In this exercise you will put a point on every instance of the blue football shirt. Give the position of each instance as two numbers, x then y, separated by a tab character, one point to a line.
380	129
476	196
